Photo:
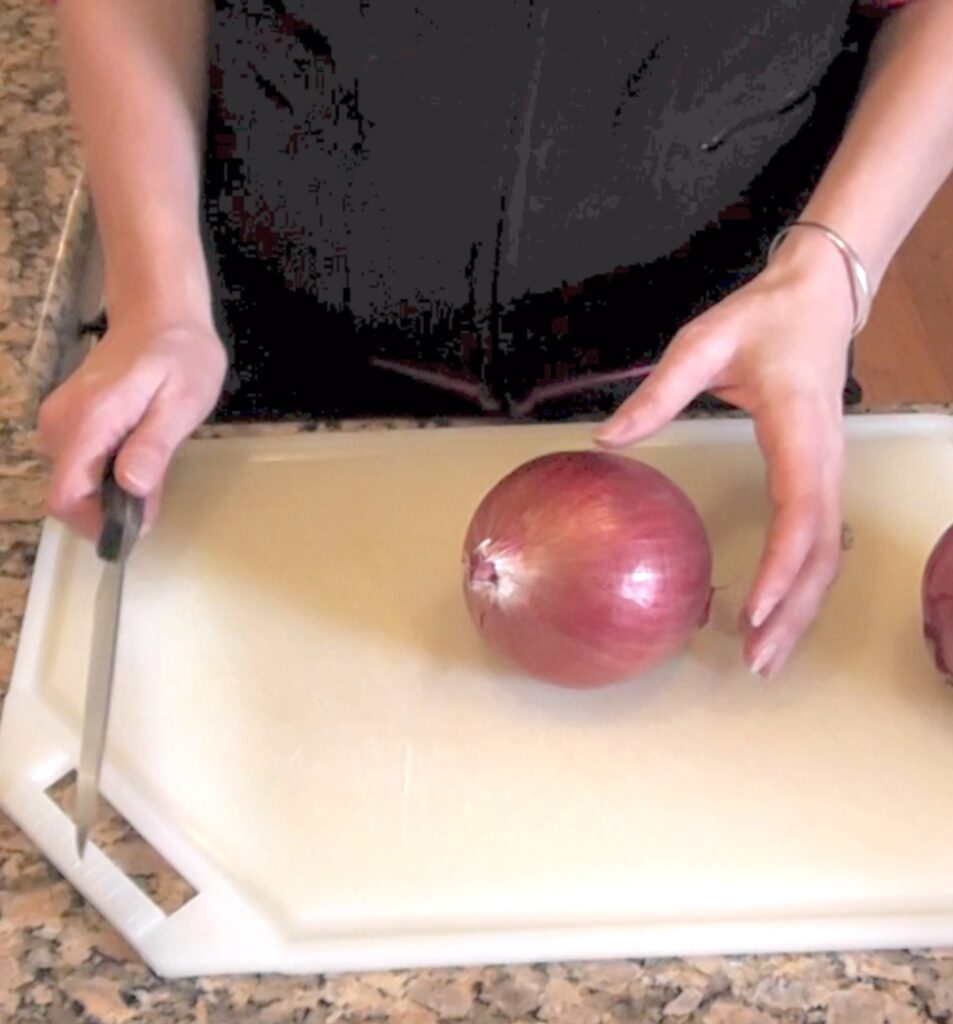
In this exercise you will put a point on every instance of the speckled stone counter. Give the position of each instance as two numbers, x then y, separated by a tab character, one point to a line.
59	961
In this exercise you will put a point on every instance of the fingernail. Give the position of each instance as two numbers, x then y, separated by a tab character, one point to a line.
609	431
138	476
763	658
760	615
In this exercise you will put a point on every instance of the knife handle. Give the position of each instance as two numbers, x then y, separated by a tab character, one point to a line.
122	518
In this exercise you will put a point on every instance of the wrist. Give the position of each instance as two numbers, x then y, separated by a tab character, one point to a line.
855	228
810	261
165	280
165	302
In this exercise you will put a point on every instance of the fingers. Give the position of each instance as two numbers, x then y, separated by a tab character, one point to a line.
139	394
146	453
80	427
788	436
79	460
143	459
802	554
768	649
687	368
83	515
141	464
151	513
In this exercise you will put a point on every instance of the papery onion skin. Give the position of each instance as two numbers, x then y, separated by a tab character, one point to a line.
587	568
937	597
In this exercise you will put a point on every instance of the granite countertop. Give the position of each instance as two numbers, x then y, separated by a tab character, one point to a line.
59	960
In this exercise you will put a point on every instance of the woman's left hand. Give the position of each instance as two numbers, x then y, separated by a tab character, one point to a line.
777	348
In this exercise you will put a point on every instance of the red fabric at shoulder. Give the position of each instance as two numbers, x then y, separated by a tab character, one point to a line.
880	7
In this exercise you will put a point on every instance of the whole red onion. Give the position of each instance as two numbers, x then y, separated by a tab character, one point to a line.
584	568
937	595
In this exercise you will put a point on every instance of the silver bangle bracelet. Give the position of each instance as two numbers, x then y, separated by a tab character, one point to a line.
859	281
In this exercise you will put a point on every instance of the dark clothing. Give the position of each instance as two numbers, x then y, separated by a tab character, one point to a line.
504	193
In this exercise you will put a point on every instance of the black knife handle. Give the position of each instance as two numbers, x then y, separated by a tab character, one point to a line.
122	518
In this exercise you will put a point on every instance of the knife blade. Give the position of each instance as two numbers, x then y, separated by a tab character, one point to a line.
122	521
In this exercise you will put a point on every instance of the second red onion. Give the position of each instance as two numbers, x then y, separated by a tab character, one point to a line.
937	597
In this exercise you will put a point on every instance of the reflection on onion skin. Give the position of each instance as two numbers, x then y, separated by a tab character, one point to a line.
586	568
937	596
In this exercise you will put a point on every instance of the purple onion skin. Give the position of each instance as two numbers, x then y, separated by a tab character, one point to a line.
587	568
937	595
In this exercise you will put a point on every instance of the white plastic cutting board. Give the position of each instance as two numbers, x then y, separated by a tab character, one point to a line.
307	727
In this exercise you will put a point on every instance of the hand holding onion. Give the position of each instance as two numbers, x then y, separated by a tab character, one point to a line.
585	568
777	348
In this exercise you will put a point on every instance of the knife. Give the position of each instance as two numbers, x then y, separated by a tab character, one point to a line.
122	520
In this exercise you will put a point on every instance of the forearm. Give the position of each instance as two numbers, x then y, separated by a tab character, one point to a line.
898	148
136	81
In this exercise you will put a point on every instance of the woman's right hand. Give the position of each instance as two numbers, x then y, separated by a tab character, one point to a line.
141	391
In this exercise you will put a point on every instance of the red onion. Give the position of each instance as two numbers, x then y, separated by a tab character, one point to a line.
937	595
584	568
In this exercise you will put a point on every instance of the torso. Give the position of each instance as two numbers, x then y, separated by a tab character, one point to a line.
454	187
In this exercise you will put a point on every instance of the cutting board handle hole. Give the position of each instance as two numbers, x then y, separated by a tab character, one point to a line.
126	848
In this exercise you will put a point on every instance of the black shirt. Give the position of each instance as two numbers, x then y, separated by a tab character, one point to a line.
503	193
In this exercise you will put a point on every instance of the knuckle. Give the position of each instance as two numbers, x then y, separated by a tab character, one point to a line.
801	531
146	376
829	563
649	398
60	503
194	389
799	493
835	448
787	553
156	448
802	537
88	385
654	408
219	360
95	411
183	392
49	415
690	334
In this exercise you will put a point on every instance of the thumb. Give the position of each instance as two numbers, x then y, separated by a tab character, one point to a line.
684	372
146	453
